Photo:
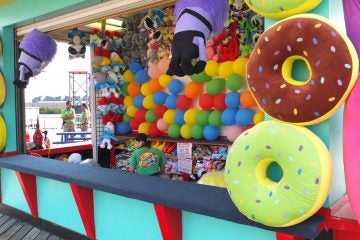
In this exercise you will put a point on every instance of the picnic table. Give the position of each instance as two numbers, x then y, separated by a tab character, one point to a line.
69	137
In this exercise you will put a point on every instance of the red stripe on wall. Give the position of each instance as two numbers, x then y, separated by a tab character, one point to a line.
170	221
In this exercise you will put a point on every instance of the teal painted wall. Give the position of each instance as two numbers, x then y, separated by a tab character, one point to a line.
11	192
331	131
196	226
20	13
118	217
56	204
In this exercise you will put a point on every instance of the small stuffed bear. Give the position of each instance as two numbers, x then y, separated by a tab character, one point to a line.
195	21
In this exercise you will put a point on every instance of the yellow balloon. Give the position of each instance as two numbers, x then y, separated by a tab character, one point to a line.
225	69
185	131
258	117
131	110
212	68
191	115
144	127
145	89
148	102
169	116
2	133
128	76
128	101
239	66
164	80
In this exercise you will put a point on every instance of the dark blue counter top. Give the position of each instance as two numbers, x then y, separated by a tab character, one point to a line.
201	199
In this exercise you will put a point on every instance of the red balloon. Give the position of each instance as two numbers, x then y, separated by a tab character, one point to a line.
206	101
140	115
160	110
184	103
134	124
219	102
154	131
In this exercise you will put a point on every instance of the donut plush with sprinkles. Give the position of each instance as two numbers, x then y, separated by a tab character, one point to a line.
307	172
331	60
281	8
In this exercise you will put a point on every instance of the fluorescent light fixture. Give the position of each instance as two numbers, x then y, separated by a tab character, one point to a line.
114	22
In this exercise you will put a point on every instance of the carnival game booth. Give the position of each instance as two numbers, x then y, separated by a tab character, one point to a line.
283	177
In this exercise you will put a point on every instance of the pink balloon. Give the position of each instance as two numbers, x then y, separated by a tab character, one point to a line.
154	72
232	132
163	64
162	125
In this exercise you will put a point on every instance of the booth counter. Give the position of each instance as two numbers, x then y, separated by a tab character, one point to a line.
107	204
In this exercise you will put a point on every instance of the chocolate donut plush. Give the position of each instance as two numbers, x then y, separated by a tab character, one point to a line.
331	60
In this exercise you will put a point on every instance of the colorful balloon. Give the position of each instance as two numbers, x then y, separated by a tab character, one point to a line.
184	103
225	69
174	131
193	89
185	131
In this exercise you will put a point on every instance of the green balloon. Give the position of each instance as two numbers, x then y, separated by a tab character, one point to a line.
197	131
124	89
235	82
126	118
202	118
215	86
174	130
150	116
215	118
200	77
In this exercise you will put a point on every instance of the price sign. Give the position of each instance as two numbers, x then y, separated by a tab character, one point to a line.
184	152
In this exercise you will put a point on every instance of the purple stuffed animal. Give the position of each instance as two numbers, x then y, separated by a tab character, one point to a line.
195	21
37	50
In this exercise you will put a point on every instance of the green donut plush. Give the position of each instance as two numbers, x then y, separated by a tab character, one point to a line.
307	173
281	8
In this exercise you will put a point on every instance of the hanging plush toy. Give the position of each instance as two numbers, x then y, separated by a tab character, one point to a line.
108	136
77	47
36	51
195	21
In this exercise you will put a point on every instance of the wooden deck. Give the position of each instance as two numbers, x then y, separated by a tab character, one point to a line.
17	225
15	229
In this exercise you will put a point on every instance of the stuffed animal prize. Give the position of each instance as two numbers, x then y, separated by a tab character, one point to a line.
36	51
195	21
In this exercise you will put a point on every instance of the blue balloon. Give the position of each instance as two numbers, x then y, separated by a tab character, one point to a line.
232	100
160	97
142	76
138	101
244	117
135	67
123	128
179	117
176	86
228	116
211	133
171	101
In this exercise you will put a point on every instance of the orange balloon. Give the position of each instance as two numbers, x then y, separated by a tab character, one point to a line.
247	100
134	89
193	89
154	85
